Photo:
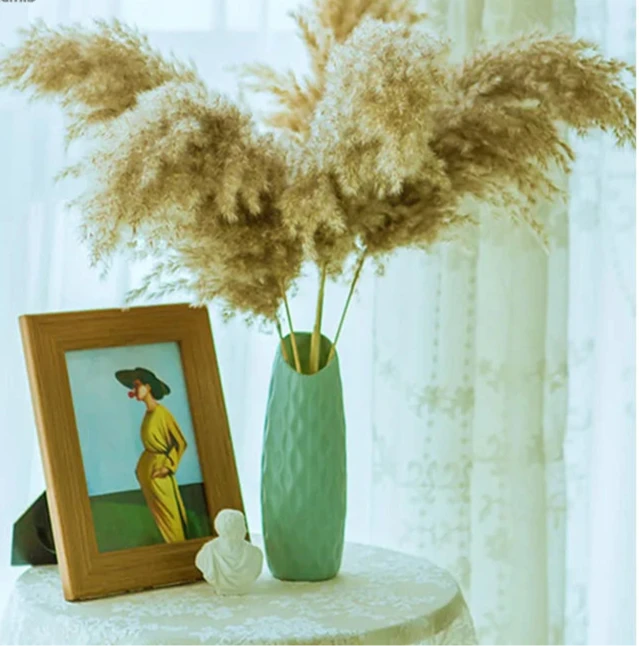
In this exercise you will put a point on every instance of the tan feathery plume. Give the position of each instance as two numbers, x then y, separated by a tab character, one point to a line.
95	74
501	133
183	175
341	17
373	125
320	26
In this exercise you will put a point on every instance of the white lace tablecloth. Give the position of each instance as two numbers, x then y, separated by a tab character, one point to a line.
379	597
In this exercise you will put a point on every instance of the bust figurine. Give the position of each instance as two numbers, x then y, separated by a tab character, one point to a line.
230	563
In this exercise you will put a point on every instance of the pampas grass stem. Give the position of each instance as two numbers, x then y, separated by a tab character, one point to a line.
296	355
358	271
282	344
316	338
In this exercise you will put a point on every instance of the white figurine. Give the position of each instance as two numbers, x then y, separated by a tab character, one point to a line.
230	563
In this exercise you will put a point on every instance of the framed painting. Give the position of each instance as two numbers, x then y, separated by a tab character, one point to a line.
135	443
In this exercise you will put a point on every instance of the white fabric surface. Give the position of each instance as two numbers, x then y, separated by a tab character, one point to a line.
489	396
379	597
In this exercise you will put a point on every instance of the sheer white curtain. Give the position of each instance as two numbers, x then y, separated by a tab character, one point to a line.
503	435
489	393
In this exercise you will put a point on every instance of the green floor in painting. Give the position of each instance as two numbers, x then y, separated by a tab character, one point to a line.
123	520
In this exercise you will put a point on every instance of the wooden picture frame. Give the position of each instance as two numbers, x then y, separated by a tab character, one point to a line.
87	572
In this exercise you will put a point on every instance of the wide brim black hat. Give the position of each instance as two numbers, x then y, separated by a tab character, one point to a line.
127	377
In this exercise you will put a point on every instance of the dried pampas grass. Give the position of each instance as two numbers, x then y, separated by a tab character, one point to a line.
379	147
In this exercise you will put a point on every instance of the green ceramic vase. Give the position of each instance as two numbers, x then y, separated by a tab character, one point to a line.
304	468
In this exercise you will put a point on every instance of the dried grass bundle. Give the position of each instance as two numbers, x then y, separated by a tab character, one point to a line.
380	147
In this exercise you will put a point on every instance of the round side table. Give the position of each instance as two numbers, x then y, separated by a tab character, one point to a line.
379	597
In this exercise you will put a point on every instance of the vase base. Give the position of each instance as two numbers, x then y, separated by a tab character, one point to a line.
308	579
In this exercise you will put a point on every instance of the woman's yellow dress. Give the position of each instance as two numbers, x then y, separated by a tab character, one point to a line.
164	446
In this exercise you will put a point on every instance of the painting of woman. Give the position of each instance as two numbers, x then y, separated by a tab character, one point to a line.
164	446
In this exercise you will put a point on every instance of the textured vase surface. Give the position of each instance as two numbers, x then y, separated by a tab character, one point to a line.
304	468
